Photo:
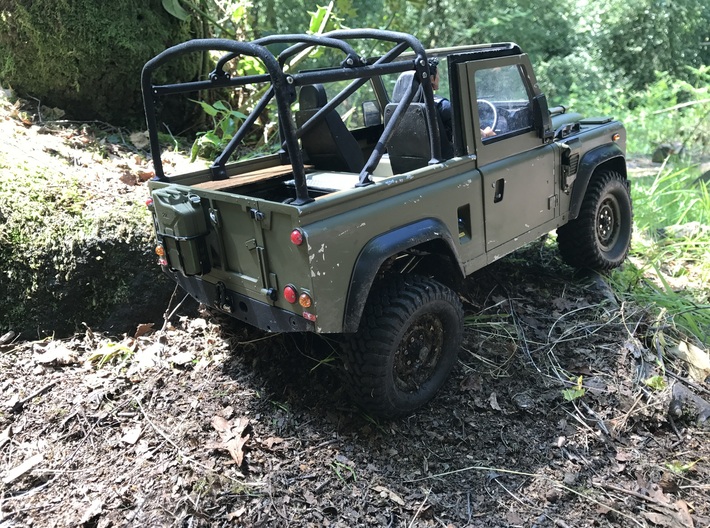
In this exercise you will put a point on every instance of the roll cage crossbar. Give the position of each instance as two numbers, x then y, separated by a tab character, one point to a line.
283	84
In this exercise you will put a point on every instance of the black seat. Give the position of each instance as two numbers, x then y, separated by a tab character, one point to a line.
329	145
409	147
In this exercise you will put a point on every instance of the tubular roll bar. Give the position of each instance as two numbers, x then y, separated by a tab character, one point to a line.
283	89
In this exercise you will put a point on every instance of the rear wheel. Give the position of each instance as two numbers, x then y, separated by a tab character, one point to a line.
600	236
409	337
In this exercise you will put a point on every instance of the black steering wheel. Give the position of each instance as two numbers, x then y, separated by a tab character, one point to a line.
487	114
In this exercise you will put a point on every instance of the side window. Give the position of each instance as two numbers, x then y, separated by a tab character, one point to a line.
503	102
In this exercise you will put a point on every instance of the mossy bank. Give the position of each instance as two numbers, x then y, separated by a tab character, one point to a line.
75	244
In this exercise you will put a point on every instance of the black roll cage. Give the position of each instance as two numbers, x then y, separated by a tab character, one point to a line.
283	86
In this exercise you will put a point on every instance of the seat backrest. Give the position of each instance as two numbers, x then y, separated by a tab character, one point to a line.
329	145
409	147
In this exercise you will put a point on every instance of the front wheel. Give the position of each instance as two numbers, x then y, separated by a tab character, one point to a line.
409	337
600	236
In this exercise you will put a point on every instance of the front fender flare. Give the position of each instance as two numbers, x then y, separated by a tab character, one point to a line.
610	153
379	249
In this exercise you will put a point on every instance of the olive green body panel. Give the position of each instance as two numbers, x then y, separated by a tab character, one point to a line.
478	214
237	240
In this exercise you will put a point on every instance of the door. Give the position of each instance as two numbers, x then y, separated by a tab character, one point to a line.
518	168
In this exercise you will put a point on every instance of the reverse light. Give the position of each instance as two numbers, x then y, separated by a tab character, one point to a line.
290	294
305	300
297	237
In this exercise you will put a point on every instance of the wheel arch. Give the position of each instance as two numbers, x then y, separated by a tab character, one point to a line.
430	235
609	156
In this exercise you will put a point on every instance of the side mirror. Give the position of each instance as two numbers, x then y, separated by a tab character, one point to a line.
371	114
541	117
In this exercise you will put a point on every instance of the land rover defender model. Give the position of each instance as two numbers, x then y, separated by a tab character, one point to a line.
371	209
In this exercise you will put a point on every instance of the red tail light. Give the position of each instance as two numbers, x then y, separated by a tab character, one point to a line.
290	294
297	237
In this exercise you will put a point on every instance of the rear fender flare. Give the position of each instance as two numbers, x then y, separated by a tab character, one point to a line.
609	155
378	250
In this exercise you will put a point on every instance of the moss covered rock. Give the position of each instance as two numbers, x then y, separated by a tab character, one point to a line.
86	56
75	241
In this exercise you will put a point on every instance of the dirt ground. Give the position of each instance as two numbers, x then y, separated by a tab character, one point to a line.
546	421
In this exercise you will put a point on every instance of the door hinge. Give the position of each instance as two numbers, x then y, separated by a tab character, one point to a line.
257	215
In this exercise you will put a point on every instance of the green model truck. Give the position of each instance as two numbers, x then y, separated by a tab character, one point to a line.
380	197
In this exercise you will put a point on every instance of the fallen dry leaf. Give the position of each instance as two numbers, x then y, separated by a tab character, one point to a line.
140	139
182	358
493	400
698	360
94	509
132	435
55	353
385	492
143	329
270	442
234	436
236	513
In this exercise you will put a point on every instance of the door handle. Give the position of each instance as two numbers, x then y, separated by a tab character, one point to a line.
498	189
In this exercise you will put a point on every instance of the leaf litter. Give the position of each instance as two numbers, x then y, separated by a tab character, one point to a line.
205	422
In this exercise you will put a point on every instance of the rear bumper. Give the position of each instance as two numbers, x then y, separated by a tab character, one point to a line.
256	313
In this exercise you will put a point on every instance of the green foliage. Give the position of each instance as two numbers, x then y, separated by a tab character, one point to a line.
111	352
656	382
343	471
225	123
670	268
575	392
668	111
672	111
681	468
673	197
175	9
225	120
642	37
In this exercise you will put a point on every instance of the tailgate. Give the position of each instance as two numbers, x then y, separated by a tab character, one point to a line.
240	243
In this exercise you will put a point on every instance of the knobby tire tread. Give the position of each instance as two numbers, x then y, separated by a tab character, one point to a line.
367	353
577	240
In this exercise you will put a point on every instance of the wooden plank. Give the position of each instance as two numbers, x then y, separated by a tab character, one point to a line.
247	177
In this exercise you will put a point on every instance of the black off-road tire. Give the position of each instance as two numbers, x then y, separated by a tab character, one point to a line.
409	338
600	236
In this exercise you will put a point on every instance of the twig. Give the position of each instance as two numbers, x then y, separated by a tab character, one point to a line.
687	381
621	421
168	314
416	514
600	422
19	405
612	487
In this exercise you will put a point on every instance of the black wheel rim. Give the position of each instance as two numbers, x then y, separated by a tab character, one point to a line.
419	352
608	223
